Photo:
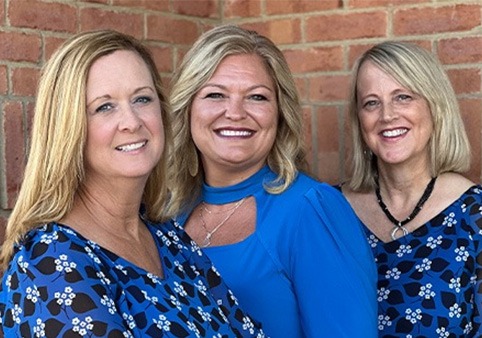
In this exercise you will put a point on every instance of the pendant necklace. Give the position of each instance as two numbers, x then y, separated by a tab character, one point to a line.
209	234
399	224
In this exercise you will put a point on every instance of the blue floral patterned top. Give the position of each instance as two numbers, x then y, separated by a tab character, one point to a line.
59	284
429	281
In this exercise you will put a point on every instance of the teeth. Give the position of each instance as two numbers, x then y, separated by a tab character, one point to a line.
393	133
130	147
235	133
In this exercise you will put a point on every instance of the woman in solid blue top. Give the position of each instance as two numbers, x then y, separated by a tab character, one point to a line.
289	247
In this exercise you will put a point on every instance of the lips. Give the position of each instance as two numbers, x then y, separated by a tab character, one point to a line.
235	132
394	132
131	146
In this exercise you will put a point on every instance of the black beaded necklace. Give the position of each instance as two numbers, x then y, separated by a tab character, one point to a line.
399	224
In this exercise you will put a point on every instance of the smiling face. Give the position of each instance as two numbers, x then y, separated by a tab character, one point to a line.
396	123
125	136
234	117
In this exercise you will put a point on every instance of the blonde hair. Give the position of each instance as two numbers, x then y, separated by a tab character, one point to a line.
287	155
419	71
55	166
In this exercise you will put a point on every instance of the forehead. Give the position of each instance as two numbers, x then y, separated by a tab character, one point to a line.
251	65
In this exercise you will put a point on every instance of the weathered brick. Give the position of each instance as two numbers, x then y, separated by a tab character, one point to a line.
241	9
383	3
460	50
163	58
201	9
3	80
20	47
24	81
308	133
314	59
300	6
470	110
329	88
286	31
327	132
167	29
96	18
346	26
41	15
2	12
442	19
465	81
155	5
14	148
328	167
51	44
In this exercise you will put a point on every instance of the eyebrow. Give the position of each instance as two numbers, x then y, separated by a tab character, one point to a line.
107	96
225	87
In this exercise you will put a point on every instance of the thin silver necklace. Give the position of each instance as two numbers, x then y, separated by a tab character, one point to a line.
209	234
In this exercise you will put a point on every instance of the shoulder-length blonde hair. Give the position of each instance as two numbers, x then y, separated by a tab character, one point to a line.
419	71
287	155
55	166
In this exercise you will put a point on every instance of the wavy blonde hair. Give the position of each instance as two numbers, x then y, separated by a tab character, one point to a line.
419	71
287	155
55	167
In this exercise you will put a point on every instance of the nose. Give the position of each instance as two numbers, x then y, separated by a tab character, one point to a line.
129	119
388	113
235	109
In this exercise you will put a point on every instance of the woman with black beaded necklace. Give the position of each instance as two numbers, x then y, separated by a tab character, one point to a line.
422	217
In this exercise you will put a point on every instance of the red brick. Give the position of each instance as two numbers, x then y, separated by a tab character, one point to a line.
471	114
329	88
300	6
3	80
327	131
202	9
14	148
97	1
314	59
95	18
286	31
167	29
19	47
30	108
328	136
383	3
302	86
163	58
2	12
43	16
346	26
155	5
444	19
24	81
460	50
51	44
465	81
241	8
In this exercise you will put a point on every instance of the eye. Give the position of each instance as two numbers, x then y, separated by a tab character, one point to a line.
104	108
143	99
214	96
258	97
370	104
403	97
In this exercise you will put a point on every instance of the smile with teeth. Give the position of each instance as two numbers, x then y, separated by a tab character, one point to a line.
238	133
394	132
132	146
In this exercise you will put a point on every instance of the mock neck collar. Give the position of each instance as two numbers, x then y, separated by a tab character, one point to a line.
232	193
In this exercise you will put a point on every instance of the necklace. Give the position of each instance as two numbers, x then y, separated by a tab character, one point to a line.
399	224
209	234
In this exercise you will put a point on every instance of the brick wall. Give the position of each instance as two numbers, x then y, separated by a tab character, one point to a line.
320	38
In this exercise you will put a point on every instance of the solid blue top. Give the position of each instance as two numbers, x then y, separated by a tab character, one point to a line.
307	270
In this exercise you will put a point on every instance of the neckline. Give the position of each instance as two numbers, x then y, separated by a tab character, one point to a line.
407	237
236	192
